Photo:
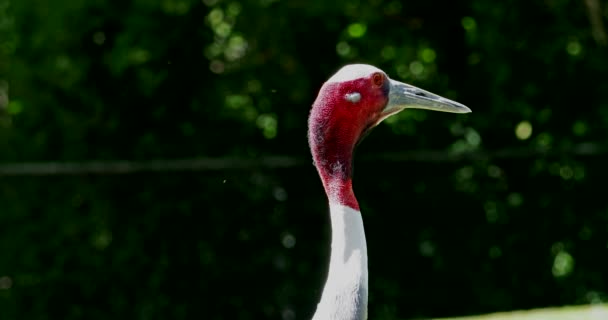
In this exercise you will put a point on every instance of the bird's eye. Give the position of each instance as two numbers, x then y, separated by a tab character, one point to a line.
378	79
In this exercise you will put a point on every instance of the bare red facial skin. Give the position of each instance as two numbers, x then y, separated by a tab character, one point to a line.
335	126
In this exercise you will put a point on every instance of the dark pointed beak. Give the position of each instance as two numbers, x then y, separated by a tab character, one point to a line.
403	96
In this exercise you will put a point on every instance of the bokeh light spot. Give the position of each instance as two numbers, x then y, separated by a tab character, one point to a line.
416	68
288	241
566	172
473	138
579	128
523	130
99	38
6	283
563	264
515	199
343	48
428	55
469	23
574	48
357	30
14	107
268	123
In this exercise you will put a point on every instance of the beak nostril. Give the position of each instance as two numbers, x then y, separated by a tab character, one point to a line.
421	94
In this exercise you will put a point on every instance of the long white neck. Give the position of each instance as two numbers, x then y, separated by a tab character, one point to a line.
345	294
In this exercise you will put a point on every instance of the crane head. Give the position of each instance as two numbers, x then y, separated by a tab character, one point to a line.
356	99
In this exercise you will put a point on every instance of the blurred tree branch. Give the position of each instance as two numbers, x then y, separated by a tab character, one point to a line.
276	162
595	19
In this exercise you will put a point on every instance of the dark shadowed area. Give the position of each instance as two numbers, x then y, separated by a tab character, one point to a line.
154	160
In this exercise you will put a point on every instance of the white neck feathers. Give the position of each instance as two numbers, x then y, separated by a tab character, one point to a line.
345	293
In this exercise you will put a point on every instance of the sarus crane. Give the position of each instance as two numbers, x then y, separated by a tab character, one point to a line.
349	105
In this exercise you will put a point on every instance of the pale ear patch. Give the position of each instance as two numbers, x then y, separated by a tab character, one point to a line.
353	97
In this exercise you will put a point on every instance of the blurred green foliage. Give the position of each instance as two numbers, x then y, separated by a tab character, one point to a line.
104	80
587	312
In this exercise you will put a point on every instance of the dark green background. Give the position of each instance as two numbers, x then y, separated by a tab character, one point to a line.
485	222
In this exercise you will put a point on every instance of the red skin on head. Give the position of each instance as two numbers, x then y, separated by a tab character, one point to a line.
336	125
